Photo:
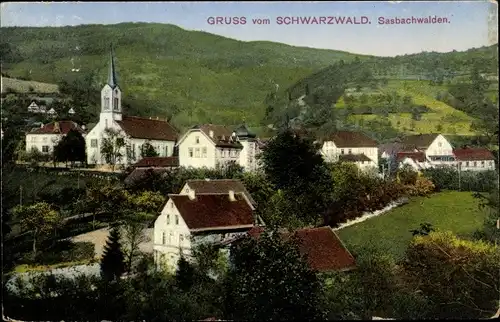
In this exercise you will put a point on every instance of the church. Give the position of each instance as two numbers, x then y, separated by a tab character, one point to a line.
134	131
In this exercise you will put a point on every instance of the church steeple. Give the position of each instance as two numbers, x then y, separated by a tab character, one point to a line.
112	73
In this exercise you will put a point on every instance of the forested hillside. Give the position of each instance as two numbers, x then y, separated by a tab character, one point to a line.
193	77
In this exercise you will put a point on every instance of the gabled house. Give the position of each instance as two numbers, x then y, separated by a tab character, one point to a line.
438	150
218	186
251	148
37	108
134	131
351	146
48	136
158	165
192	219
416	160
474	159
322	248
208	146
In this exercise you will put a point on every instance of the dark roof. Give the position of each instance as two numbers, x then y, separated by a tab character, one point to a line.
349	139
415	156
353	157
243	132
390	148
473	154
60	127
112	73
323	249
214	211
150	129
140	173
222	135
157	162
219	186
421	141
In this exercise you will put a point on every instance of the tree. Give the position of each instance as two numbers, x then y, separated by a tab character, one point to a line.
71	148
184	275
38	218
270	280
133	236
460	277
148	150
112	262
112	145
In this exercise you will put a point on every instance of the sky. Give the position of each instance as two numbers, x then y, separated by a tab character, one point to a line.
471	24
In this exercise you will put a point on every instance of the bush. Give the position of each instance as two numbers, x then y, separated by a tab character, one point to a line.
448	178
421	187
67	251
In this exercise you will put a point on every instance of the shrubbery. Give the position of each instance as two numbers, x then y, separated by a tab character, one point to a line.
449	178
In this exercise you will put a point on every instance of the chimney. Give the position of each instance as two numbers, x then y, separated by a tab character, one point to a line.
211	134
231	195
56	127
191	194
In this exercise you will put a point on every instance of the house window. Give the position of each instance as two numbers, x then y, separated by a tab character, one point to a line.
106	103
440	144
341	151
170	238
467	163
475	163
482	164
106	123
204	152
163	238
115	104
190	152
93	143
166	150
168	217
176	219
491	163
197	140
350	151
197	152
181	238
45	149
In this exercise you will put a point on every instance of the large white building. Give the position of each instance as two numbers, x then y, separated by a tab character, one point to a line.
45	138
354	147
436	148
135	131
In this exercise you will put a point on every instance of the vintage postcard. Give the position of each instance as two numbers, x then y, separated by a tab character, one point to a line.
250	160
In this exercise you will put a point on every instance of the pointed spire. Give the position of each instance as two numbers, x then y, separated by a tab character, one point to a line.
112	73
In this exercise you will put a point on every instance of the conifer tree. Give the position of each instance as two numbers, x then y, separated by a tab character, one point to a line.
184	274
113	260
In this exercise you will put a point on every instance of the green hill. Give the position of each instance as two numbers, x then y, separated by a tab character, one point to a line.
164	69
23	86
200	77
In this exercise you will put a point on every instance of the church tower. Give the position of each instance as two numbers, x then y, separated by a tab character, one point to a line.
111	96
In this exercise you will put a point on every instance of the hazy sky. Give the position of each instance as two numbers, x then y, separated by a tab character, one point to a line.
472	24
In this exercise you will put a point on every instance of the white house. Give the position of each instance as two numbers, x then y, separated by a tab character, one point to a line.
48	136
192	219
35	108
218	186
251	149
208	146
438	150
135	131
351	147
416	160
474	159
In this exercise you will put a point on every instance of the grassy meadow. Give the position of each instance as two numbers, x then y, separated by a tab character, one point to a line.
390	232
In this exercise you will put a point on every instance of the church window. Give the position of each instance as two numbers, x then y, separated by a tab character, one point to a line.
93	143
106	103
190	152
115	103
197	152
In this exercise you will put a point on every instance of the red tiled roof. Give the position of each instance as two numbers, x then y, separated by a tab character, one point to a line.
416	156
210	186
150	129
214	211
157	162
473	154
348	139
322	247
222	135
60	127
